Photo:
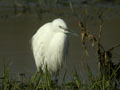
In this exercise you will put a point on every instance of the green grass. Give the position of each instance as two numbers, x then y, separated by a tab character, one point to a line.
40	81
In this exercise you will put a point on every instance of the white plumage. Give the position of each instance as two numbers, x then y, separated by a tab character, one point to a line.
50	45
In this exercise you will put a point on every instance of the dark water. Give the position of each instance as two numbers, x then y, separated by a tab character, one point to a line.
17	28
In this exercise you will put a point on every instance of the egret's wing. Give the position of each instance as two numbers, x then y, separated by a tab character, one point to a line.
39	42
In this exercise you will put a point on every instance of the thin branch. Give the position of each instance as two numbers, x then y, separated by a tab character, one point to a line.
84	32
118	45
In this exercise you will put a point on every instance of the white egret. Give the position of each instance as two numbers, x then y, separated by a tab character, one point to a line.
50	45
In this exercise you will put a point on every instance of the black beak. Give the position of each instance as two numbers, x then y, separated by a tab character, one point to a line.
68	31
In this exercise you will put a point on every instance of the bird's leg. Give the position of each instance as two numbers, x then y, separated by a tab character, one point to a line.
57	76
64	75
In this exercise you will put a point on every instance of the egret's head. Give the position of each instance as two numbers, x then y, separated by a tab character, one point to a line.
60	25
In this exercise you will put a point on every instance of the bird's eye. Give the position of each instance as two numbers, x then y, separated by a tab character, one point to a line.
62	27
